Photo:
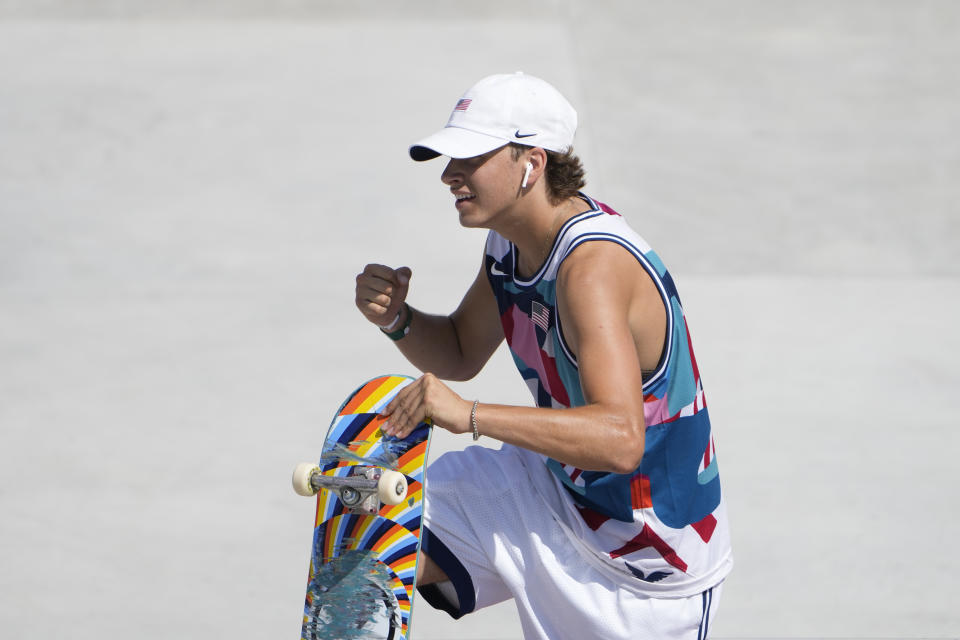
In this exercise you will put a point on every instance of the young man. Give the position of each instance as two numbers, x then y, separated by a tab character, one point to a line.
601	514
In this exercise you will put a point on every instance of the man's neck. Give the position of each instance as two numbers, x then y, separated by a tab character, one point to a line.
535	230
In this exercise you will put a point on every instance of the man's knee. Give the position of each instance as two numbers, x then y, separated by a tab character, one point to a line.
429	572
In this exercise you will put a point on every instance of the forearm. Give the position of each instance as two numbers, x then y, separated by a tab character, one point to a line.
592	438
432	344
599	436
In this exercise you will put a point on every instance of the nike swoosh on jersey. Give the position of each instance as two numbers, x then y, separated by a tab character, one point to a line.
494	270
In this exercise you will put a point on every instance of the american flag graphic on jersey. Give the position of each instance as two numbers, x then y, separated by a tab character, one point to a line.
661	522
540	316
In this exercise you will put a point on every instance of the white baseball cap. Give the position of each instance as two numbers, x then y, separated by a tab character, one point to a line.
503	108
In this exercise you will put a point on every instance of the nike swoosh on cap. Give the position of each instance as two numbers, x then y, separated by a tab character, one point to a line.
523	135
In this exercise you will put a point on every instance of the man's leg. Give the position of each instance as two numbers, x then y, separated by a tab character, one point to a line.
428	572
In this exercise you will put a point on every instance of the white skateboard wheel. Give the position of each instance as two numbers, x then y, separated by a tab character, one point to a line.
392	488
301	479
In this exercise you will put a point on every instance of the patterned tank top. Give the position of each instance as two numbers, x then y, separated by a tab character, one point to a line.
665	523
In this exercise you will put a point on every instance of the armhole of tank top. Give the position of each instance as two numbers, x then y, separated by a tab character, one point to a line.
651	271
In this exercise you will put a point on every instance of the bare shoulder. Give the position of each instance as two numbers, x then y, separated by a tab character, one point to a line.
601	286
604	268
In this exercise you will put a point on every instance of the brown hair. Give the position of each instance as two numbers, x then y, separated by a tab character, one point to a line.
565	174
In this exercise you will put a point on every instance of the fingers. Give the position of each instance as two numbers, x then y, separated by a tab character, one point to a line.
405	411
427	398
381	291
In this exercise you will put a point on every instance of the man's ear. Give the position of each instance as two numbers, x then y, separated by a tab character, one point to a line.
537	162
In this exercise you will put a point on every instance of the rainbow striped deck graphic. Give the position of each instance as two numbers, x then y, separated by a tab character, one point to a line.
363	567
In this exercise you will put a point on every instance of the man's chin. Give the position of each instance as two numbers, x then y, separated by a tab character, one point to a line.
469	221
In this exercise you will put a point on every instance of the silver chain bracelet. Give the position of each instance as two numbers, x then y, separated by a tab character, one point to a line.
473	421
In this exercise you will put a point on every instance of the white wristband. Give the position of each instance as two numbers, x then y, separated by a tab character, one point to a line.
389	327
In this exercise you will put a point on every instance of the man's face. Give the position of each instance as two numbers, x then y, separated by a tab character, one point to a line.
484	186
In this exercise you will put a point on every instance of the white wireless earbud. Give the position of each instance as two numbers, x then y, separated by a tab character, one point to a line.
526	175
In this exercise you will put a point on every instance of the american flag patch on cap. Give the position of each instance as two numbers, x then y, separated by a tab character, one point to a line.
540	315
462	104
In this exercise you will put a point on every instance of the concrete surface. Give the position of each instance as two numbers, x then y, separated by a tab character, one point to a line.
186	193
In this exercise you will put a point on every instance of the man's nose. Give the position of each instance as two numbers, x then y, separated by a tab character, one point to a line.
451	174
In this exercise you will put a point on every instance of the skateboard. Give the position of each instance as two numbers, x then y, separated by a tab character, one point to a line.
366	536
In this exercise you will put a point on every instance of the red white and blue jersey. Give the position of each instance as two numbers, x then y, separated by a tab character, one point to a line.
665	524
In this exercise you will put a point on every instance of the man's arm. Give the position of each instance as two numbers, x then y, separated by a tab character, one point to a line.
602	294
454	347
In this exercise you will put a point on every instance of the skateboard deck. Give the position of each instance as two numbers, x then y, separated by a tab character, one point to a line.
366	536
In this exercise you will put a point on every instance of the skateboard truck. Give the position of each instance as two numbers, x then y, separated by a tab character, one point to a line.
364	491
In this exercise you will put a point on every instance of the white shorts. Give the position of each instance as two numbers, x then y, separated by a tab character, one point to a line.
488	529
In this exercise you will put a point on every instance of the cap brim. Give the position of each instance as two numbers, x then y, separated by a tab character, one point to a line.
455	142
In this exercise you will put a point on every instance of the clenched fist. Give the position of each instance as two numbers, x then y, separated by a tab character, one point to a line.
381	292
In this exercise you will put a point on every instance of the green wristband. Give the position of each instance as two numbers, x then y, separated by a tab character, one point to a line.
404	329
